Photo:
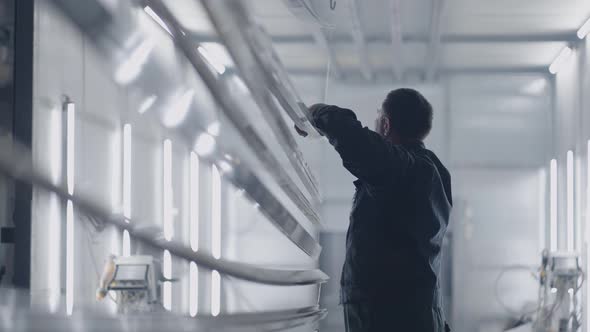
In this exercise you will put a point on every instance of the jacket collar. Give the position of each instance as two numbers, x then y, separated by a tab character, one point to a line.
414	145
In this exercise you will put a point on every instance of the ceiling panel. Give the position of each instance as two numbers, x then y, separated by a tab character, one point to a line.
514	17
301	56
461	55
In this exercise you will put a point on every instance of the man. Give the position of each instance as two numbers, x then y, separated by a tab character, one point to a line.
390	278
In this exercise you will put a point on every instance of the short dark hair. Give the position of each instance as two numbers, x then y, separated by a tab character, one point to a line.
410	114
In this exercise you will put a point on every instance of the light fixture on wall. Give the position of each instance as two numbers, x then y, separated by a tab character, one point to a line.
570	200
215	238
584	29
167	191
167	285
215	293
70	163
560	60
215	212
194	201
542	209
157	19
553	205
127	136
193	290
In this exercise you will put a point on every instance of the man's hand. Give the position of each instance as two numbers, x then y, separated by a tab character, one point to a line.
301	132
312	109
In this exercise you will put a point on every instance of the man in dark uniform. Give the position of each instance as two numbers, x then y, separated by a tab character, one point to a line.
390	279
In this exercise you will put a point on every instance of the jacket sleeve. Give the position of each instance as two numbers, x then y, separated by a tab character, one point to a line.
364	152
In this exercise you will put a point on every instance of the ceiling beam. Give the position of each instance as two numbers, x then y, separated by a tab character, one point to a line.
475	70
319	37
568	37
397	39
360	43
433	53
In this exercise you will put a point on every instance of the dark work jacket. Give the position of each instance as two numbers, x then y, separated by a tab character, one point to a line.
399	218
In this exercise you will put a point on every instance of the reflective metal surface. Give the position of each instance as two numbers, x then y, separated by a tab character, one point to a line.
14	162
250	47
230	106
109	36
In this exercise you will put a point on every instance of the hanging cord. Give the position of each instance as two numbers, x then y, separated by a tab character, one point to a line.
329	65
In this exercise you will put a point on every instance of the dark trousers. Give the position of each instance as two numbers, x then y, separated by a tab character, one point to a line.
380	317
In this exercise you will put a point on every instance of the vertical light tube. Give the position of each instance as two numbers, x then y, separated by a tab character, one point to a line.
69	258
167	286
587	226
54	212
194	201
553	205
215	212
53	252
126	243
127	171
70	163
542	209
70	146
194	290
127	136
167	200
194	233
116	202
578	204
570	200
215	293
215	238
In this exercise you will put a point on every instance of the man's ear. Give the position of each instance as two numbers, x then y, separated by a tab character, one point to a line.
386	126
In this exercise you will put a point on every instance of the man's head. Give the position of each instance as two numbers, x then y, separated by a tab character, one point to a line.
405	116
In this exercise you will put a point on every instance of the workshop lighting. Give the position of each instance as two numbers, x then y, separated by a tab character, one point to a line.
131	67
168	191
194	202
69	257
570	200
542	208
126	244
54	252
578	203
553	290
553	205
127	171
177	112
157	18
561	60
147	104
215	212
215	293
205	144
584	29
167	285
212	59
70	145
194	290
70	163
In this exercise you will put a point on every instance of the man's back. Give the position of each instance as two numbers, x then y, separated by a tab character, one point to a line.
400	214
